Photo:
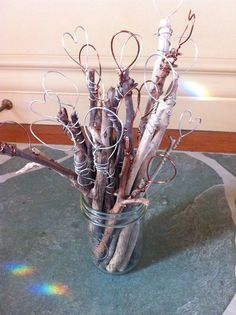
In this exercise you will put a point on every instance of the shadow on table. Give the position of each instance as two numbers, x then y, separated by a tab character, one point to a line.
179	229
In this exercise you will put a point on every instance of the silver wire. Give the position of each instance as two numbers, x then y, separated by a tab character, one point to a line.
123	48
194	122
44	102
111	114
96	85
74	37
195	57
174	74
49	91
172	12
52	146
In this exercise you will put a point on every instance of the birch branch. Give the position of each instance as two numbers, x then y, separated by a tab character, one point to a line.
141	154
164	35
168	104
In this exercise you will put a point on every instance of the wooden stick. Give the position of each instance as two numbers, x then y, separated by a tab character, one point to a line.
142	151
120	197
126	243
73	130
121	201
92	103
98	190
164	36
12	150
128	84
154	145
124	248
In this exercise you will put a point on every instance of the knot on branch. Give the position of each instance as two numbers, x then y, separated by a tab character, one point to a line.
8	149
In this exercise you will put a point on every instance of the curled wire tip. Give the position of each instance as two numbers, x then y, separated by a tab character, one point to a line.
190	26
168	16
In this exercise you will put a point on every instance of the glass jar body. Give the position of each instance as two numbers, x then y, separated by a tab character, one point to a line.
115	239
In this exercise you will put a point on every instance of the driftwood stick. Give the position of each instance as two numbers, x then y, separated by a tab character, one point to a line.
111	249
113	102
92	103
121	202
154	119
107	141
141	154
12	150
156	92
78	133
120	197
154	145
130	115
144	182
98	190
128	84
110	188
73	130
164	36
126	243
133	243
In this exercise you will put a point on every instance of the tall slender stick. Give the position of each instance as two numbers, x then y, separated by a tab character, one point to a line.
12	150
164	35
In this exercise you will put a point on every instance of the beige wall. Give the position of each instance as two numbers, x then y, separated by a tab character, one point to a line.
30	45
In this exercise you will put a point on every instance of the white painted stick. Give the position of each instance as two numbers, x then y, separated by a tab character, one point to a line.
164	35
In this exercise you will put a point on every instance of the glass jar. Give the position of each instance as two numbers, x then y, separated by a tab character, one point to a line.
115	239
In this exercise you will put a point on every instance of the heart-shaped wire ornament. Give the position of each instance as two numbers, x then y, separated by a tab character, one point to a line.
194	123
74	37
111	115
48	120
164	159
44	103
58	76
131	35
146	81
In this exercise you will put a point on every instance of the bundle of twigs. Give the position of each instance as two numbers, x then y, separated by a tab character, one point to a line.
107	170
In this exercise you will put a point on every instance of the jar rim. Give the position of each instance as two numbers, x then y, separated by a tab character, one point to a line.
116	220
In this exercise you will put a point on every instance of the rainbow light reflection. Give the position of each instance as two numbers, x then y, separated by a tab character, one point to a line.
195	89
18	269
49	289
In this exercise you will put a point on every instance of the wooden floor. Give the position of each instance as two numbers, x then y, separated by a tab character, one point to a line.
200	141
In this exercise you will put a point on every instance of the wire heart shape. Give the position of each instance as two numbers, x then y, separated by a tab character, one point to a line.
193	123
150	85
74	37
47	119
61	80
44	102
86	53
136	56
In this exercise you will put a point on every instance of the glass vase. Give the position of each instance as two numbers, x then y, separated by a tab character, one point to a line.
115	239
